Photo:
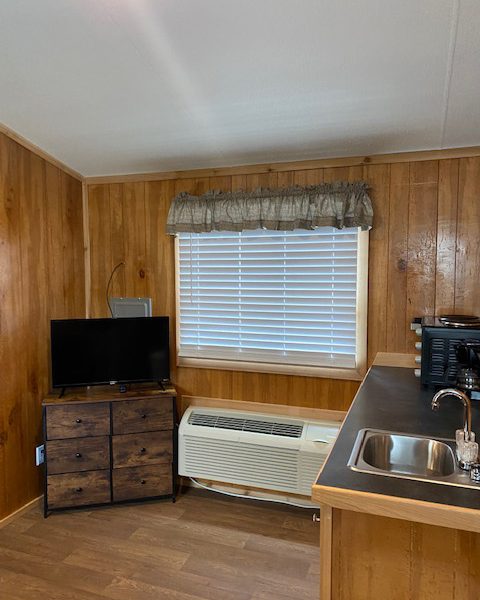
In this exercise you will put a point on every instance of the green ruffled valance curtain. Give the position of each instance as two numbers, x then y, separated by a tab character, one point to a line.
338	204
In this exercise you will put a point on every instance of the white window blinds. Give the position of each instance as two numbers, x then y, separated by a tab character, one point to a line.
283	297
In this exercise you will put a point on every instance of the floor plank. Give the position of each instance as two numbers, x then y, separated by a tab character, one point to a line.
203	547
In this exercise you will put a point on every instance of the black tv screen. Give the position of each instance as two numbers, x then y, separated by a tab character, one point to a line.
101	351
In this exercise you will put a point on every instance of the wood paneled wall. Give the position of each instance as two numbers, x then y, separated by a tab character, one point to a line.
41	277
424	258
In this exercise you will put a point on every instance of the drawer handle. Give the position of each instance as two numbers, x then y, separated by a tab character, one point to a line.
78	455
79	490
143	450
142	481
78	420
144	416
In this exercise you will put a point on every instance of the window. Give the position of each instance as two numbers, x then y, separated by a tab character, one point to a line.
279	301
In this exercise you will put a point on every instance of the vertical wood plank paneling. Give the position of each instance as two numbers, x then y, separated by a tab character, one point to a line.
446	236
100	249
135	246
117	240
343	174
467	565
406	274
432	563
160	245
377	557
378	178
55	243
239	182
422	242
308	177
286	179
5	277
69	226
397	258
75	238
327	517
220	184
361	570
262	180
16	475
160	257
40	229
196	186
467	286
11	330
34	281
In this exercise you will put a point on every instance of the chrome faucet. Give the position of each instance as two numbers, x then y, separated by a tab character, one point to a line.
467	412
466	446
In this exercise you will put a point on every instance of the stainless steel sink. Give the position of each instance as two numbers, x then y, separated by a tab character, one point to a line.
406	456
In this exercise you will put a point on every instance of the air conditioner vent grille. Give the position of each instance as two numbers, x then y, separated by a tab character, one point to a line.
251	425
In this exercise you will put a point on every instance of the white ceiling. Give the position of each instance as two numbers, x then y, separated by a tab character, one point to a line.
125	86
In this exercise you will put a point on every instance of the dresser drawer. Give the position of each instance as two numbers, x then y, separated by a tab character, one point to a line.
78	454
142	482
78	489
77	420
137	449
148	414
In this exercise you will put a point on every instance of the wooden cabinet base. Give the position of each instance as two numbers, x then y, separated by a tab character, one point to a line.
368	557
103	447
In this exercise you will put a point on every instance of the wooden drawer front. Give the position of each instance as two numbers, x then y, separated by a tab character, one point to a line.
137	449
81	454
142	482
148	414
78	489
77	420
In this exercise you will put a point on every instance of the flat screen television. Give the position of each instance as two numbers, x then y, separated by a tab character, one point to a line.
108	351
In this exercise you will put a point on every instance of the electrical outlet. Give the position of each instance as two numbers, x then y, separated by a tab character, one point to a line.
39	455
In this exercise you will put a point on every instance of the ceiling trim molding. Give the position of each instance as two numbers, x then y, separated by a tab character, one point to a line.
280	167
19	139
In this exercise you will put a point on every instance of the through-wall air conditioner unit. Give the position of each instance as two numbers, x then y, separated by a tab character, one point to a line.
254	449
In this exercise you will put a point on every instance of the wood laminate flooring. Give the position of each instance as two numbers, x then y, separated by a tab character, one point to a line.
203	547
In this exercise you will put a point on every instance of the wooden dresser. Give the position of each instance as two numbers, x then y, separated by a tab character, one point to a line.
104	447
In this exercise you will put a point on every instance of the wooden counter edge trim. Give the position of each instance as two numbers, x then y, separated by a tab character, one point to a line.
285	410
19	139
419	511
19	512
280	167
326	532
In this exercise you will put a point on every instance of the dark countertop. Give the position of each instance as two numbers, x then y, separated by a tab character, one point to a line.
392	398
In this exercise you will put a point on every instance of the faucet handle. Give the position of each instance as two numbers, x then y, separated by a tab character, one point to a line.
475	473
461	436
467	453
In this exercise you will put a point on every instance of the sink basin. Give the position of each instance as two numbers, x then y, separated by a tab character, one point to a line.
410	455
407	456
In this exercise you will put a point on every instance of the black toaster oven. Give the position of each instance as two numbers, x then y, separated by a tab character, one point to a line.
440	338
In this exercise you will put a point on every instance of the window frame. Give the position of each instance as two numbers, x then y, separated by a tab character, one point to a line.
355	374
